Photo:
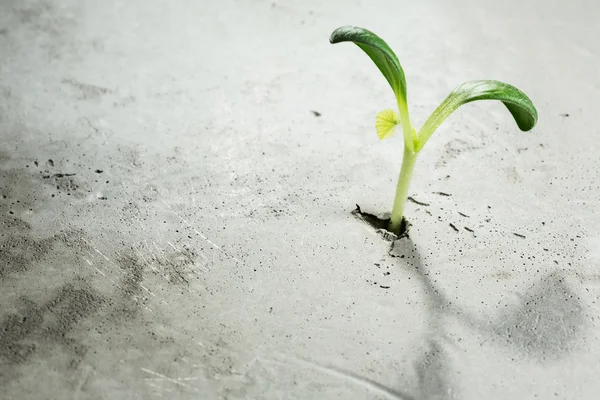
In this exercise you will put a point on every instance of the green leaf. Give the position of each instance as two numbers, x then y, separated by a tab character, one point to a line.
387	62
385	123
517	102
378	50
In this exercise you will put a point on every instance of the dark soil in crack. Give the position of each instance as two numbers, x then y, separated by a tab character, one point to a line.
381	224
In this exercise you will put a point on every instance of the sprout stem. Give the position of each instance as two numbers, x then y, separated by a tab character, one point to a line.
408	164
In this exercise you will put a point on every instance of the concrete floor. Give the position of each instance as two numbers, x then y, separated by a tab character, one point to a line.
176	220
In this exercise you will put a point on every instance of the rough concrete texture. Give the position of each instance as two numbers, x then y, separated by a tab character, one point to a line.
176	187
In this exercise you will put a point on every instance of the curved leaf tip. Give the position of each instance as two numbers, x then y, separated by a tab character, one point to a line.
344	33
517	103
379	52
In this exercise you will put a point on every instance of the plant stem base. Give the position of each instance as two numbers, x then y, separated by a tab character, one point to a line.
408	164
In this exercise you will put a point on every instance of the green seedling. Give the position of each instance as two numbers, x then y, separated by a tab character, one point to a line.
517	102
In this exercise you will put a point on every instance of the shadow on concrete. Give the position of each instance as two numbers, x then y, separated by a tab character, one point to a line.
544	326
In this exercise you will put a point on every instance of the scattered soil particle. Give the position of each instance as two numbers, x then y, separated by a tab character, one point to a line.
442	194
51	163
564	115
102	198
316	113
453	227
66	183
519	235
150	193
386	273
463	215
98	171
469	230
410	198
384	286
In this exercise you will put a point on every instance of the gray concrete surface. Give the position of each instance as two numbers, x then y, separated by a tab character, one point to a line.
175	221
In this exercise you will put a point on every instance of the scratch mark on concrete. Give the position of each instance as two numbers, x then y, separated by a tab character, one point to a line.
166	378
537	320
117	278
348	376
160	252
191	378
199	233
142	256
564	327
502	324
147	290
99	252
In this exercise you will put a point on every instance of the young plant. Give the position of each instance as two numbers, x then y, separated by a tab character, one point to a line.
517	102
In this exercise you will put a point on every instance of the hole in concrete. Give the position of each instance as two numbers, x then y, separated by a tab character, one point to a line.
380	224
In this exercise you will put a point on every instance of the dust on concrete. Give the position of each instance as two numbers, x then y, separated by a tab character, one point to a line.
34	321
452	150
132	157
19	251
177	264
35	327
129	292
150	193
15	194
548	321
86	91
